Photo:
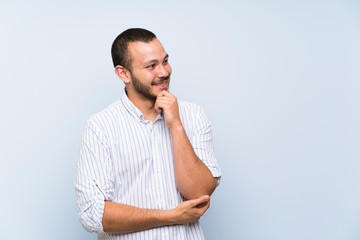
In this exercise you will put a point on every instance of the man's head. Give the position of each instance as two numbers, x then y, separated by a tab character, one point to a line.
141	62
120	48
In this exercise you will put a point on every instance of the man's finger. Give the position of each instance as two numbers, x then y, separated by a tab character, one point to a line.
163	102
204	205
165	93
163	97
200	200
158	108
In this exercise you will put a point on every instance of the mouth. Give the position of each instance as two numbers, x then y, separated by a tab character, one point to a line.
162	84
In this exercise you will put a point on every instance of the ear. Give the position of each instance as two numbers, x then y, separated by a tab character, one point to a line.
123	74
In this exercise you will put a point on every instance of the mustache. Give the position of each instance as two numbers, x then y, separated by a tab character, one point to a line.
161	80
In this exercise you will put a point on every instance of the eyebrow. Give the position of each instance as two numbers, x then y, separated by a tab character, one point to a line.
154	60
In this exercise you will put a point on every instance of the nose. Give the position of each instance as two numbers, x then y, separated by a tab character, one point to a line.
164	71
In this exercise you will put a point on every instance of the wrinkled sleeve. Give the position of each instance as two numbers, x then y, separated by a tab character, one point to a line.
94	181
202	143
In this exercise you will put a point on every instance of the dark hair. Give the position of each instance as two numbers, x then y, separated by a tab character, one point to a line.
119	49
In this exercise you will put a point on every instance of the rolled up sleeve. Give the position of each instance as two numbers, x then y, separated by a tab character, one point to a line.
94	181
202	143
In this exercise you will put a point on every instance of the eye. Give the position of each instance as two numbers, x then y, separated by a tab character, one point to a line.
166	61
150	66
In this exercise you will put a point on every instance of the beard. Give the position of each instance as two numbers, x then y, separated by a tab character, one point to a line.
145	90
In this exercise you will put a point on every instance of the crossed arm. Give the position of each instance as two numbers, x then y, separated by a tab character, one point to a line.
193	179
121	218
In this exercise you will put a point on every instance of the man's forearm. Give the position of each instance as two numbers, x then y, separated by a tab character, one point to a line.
193	178
122	218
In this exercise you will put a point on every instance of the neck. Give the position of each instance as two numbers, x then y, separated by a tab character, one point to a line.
145	105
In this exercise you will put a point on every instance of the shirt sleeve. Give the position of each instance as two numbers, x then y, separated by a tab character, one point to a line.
94	181
203	145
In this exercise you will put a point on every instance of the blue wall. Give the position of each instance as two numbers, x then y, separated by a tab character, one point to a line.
280	81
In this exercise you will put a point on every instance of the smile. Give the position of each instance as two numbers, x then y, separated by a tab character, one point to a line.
162	85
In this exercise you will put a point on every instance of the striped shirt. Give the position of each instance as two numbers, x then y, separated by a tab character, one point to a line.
126	159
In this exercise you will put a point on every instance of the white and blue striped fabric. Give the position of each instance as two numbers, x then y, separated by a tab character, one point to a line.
127	159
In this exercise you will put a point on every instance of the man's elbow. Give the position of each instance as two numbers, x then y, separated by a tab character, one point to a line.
212	185
206	189
89	222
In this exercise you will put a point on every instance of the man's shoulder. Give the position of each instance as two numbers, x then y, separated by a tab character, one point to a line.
193	117
108	114
190	110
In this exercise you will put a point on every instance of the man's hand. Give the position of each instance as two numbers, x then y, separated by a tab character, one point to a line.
167	103
191	210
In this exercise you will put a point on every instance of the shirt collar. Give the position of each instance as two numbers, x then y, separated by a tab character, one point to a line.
132	109
130	106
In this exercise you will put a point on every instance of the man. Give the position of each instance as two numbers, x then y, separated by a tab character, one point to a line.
146	167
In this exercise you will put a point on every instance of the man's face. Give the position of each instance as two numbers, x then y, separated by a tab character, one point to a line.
150	73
